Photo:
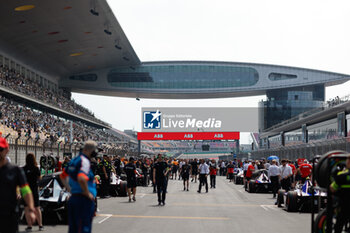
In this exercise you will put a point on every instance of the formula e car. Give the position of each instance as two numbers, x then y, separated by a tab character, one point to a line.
259	182
53	198
238	176
140	178
300	199
118	187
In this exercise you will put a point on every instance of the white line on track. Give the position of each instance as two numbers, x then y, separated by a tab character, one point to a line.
107	217
142	195
264	207
271	207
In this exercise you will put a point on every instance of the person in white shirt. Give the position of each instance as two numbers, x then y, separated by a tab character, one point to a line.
245	168
274	174
286	174
203	174
222	168
267	165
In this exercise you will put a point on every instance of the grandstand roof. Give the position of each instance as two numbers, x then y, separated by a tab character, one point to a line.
64	37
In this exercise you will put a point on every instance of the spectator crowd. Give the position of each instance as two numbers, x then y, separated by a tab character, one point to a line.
17	82
27	122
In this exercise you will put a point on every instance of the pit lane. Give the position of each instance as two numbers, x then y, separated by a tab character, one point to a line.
226	208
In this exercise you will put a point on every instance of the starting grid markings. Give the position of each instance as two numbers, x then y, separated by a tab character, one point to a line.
107	216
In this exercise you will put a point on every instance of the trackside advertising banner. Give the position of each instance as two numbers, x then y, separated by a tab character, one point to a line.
160	120
188	136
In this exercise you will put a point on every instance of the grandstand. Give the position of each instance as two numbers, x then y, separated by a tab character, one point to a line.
11	81
33	114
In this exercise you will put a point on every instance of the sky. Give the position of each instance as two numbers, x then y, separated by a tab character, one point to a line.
310	34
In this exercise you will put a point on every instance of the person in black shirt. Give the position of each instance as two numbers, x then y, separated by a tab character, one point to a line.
194	169
130	170
12	176
144	168
32	173
117	165
151	175
105	169
185	171
160	174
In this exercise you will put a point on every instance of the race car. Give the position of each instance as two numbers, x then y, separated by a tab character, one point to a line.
238	176
53	198
118	187
140	181
300	199
259	182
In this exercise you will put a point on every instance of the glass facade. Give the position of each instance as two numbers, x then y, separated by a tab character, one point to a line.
84	77
182	77
279	76
323	130
283	104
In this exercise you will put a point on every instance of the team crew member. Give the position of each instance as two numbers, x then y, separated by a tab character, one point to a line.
341	187
250	170
116	163
294	171
160	174
305	170
222	168
194	168
105	169
32	173
151	176
144	168
185	171
203	174
286	173
274	173
130	170
230	170
81	205
245	168
12	176
181	163
175	167
212	173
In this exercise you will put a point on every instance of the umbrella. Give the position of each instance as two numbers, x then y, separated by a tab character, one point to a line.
272	157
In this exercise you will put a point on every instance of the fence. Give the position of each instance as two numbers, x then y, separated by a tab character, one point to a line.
307	150
20	147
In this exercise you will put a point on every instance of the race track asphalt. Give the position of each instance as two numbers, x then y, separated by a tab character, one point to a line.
228	208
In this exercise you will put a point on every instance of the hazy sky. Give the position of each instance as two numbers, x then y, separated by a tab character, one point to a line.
310	34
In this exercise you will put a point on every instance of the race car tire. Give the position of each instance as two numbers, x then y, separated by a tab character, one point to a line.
321	222
237	180
113	191
292	201
322	175
251	186
280	197
123	189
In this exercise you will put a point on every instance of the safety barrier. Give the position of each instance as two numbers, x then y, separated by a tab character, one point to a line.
306	150
21	146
